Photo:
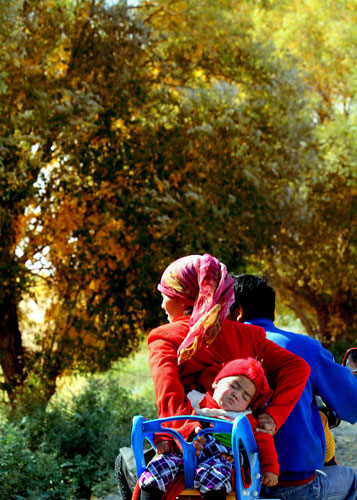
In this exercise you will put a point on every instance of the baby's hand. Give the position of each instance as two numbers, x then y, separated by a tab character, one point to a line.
269	479
198	442
266	424
164	447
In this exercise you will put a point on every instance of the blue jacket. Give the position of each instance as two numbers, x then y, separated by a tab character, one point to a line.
300	442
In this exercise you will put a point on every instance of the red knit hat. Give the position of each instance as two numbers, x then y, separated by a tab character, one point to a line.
252	369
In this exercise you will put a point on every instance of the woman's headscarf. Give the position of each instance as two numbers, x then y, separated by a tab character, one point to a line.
204	283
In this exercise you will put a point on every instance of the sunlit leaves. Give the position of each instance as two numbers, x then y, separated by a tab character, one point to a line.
131	136
313	260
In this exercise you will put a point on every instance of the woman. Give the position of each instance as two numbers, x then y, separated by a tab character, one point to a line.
197	295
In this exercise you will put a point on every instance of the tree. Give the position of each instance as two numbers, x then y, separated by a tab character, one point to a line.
58	75
311	259
131	136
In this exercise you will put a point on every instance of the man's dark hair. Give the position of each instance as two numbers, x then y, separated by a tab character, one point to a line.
255	295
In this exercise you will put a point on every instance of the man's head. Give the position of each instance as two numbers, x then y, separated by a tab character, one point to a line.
254	298
241	383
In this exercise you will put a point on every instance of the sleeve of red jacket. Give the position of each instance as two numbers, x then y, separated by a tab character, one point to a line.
268	458
289	373
169	392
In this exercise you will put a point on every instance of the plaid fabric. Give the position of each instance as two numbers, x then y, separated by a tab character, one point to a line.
161	471
213	470
213	447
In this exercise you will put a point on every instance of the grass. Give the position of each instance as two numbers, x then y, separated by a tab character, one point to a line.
132	374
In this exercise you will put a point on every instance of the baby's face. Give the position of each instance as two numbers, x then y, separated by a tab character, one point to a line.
234	393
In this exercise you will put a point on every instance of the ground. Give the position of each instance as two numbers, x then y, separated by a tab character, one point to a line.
346	444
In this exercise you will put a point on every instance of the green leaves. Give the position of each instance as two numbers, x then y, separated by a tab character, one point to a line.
130	137
314	252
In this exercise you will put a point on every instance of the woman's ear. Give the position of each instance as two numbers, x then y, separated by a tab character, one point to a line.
214	385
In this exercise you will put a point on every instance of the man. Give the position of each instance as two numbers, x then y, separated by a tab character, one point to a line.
300	442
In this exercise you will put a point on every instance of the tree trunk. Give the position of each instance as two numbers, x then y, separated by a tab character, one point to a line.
11	350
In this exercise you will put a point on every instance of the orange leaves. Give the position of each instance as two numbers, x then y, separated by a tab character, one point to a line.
172	133
69	216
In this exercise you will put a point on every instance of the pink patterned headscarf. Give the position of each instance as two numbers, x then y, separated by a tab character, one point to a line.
204	283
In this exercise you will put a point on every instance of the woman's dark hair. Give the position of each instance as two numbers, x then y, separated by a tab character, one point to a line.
255	295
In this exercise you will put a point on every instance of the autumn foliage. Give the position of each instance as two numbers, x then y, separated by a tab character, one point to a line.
132	135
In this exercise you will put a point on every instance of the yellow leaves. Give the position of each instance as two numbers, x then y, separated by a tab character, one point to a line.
105	191
168	14
200	74
120	127
20	224
110	241
95	285
63	224
118	124
175	178
20	99
70	215
314	284
326	55
61	67
159	185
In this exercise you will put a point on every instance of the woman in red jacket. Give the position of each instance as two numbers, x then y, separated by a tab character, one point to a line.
197	296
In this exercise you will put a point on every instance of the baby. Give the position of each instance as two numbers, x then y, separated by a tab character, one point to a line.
240	387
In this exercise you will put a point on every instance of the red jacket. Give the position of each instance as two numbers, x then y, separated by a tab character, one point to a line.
287	374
